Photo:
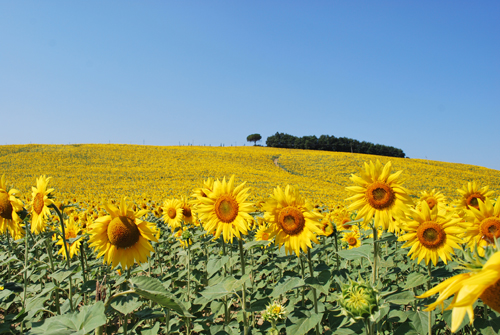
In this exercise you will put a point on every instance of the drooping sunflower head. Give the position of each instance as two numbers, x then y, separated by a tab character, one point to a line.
172	213
187	212
9	206
470	195
183	236
484	225
122	237
430	235
225	209
293	221
378	194
40	204
327	227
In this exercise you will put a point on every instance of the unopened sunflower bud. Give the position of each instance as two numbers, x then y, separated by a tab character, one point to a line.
274	312
359	300
186	235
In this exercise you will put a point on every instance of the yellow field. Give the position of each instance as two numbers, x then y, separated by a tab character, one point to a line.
93	173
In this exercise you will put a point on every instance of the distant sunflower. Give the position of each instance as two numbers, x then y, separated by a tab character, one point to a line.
187	212
430	235
470	194
485	225
433	198
40	204
122	237
9	206
378	195
340	216
172	213
225	209
178	235
293	220
352	238
327	227
263	233
72	229
482	281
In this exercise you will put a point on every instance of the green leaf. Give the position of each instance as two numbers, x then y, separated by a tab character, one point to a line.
126	304
403	298
487	327
420	320
287	284
303	325
415	279
152	289
151	331
356	253
216	264
255	244
61	275
405	329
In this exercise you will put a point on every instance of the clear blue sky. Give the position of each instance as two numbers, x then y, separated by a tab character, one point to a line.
423	76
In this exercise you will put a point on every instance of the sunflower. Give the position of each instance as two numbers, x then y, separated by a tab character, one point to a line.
378	194
72	230
9	206
39	205
340	216
483	281
430	235
485	225
263	233
293	221
326	227
122	237
225	209
184	242
187	212
352	238
433	198
470	194
172	213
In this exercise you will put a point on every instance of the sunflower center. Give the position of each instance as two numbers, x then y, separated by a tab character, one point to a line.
171	212
491	296
265	236
380	195
186	211
5	206
472	200
38	203
352	241
226	208
291	220
431	202
490	229
346	226
431	235
123	232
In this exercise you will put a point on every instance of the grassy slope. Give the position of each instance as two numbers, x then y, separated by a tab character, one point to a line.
96	172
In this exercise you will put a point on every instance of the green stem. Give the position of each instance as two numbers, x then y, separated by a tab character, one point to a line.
313	289
302	267
167	322
82	262
66	251
188	272
428	288
226	310
243	292
25	269
337	249
375	254
51	261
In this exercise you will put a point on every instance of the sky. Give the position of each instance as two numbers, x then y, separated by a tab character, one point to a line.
422	76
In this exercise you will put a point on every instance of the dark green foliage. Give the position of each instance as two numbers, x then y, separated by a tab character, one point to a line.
254	138
331	143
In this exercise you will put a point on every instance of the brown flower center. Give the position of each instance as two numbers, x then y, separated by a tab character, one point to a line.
226	208
352	241
490	229
431	235
346	226
472	200
5	206
491	296
431	202
291	220
380	195
38	203
186	211
123	232
171	212
265	236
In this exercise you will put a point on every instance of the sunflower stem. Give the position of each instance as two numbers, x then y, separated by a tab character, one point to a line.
313	289
302	266
243	292
337	249
66	251
428	288
51	261
82	261
226	311
375	254
188	272
25	269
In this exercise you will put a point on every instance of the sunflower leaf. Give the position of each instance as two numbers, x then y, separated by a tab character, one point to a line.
286	284
152	289
126	304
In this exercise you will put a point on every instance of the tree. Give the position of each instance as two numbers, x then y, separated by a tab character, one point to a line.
254	138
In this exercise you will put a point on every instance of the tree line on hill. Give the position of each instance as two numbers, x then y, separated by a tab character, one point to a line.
332	143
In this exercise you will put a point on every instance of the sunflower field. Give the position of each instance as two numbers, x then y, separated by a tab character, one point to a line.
128	239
